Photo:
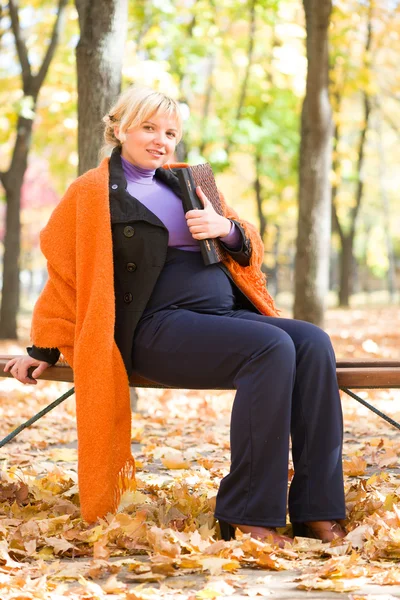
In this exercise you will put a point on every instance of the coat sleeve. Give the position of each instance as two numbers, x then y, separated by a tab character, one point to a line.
253	244
242	253
49	355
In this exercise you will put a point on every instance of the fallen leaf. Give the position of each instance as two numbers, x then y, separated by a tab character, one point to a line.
354	467
175	461
388	458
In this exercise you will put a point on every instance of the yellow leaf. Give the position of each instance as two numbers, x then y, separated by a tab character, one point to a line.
387	459
63	455
95	534
216	589
175	461
334	585
130	497
113	586
377	478
160	542
359	535
59	544
46	553
137	435
100	550
354	467
30	547
215	565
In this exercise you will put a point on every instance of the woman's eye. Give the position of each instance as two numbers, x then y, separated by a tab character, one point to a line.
149	127
171	134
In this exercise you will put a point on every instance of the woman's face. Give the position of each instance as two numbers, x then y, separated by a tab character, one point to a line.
151	144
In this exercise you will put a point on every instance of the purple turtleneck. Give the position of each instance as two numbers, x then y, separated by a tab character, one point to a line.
166	205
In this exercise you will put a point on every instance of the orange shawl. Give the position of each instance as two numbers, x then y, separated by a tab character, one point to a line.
76	313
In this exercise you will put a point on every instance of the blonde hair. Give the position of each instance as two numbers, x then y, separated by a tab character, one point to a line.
133	107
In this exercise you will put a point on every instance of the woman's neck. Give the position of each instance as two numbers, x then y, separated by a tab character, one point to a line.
137	174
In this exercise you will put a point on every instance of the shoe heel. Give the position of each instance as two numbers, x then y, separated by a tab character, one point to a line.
300	530
227	531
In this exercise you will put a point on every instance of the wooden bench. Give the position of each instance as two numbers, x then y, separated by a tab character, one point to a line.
361	373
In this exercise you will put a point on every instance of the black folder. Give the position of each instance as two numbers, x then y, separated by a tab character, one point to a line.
189	178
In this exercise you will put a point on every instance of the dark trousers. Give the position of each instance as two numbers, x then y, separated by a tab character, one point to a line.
285	376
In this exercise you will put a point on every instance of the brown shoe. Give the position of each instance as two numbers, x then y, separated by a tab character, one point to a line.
265	534
326	531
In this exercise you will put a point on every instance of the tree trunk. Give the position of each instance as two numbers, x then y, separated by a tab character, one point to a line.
336	169
207	100
391	272
347	239
257	188
346	271
99	55
13	178
243	87
181	151
11	288
314	221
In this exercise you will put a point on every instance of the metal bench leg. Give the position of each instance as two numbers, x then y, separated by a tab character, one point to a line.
36	417
368	405
61	399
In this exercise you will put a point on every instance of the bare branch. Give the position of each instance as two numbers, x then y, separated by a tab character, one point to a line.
22	50
39	78
367	106
335	168
250	50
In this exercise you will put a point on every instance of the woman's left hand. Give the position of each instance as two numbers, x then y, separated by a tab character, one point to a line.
206	223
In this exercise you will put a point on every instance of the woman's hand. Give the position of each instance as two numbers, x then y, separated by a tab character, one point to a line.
19	366
206	223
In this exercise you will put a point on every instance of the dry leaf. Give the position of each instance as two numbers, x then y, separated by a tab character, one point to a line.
175	461
387	459
216	565
59	544
63	455
355	466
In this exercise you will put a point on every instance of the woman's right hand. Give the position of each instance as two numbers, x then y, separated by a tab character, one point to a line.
20	365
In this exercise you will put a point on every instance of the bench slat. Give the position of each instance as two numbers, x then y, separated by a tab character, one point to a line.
345	363
356	374
363	377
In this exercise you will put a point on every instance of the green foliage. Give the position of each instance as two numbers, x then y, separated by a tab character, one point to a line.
198	50
54	135
353	73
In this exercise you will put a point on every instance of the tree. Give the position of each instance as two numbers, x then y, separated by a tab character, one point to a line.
99	55
347	237
12	178
314	220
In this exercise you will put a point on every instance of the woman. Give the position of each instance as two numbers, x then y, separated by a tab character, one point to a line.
128	289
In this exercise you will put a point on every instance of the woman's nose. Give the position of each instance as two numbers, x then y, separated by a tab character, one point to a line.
160	138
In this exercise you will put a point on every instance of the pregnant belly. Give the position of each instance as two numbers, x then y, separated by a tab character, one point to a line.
186	282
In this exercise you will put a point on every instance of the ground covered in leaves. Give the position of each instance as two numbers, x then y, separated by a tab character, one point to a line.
164	543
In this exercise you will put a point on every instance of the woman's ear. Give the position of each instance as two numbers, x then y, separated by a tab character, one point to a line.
116	132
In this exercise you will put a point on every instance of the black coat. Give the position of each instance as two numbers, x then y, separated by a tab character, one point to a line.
140	243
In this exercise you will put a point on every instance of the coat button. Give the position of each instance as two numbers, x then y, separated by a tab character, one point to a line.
131	267
114	186
128	297
129	231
